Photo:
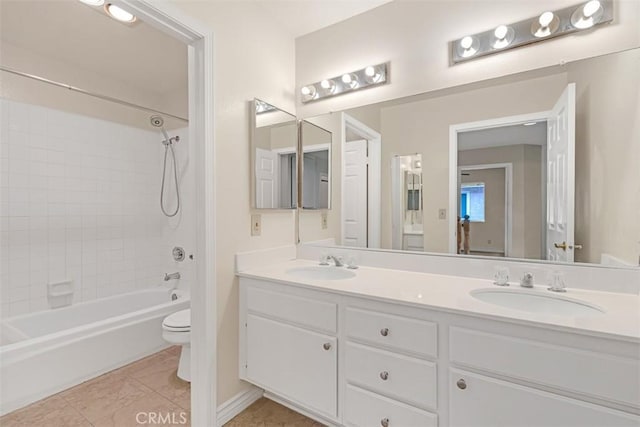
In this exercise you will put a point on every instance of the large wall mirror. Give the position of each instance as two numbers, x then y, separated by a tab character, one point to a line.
274	147
543	165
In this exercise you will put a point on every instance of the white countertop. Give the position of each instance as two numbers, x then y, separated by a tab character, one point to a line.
621	317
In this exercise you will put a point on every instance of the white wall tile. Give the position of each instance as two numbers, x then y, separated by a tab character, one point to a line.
79	200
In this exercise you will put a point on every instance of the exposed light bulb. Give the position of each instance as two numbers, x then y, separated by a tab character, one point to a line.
326	84
370	71
466	42
545	19
501	32
591	8
119	13
308	91
346	78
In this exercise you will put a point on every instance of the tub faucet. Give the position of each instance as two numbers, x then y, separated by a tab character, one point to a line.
168	277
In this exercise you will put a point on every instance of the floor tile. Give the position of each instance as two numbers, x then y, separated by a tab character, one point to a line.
50	412
150	410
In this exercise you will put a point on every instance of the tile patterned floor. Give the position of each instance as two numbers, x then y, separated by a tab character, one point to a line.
148	386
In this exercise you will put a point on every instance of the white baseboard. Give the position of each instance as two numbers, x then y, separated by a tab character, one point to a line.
237	404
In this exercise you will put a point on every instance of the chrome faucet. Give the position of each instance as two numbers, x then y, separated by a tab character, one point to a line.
168	277
557	282
527	280
337	260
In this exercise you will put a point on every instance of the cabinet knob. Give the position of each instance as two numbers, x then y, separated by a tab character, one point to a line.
384	422
462	384
327	346
384	375
384	332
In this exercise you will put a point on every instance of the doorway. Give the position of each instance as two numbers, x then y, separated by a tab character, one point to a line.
361	176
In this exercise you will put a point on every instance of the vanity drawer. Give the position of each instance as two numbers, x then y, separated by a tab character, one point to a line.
394	332
405	378
599	375
320	315
366	409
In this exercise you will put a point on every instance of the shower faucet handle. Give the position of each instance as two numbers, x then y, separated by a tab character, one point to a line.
168	277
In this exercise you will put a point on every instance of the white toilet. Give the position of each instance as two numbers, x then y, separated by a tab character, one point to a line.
176	329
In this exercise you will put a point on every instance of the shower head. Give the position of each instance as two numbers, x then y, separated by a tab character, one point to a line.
158	121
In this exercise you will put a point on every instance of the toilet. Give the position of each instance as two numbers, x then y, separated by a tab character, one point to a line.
176	330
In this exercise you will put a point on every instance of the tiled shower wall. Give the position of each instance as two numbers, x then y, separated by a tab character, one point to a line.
79	200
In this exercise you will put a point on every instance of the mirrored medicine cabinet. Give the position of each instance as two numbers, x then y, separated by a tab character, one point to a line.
277	139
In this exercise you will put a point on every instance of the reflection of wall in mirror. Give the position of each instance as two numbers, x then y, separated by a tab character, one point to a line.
527	211
310	220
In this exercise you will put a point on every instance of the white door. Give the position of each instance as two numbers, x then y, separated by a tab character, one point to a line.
266	173
355	188
295	363
561	127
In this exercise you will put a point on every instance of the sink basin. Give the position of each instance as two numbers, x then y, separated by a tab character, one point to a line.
535	302
321	273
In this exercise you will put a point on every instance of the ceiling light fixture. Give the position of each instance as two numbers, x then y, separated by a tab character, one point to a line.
588	15
363	78
544	26
119	13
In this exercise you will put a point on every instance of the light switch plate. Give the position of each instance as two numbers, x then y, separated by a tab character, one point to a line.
256	224
442	214
323	220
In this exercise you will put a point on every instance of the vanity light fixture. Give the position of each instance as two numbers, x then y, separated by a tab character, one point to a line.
119	14
309	92
588	15
529	123
547	25
328	85
263	107
370	76
93	2
502	37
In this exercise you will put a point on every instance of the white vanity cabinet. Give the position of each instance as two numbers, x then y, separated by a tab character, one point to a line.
355	361
290	348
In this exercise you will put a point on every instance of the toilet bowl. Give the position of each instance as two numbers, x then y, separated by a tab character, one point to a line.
176	330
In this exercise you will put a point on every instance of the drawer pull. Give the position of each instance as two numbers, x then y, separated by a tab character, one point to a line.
462	384
384	422
326	346
384	332
384	375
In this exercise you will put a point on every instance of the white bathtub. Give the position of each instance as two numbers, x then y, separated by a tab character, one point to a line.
49	351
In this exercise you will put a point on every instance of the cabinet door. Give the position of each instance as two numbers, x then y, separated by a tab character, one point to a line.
476	400
295	363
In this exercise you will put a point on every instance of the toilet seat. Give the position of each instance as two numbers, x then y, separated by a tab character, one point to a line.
179	321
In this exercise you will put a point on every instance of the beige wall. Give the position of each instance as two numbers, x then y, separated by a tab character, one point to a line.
488	236
527	196
608	157
414	36
254	58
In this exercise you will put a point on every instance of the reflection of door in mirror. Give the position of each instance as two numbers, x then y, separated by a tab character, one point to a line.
274	142
512	211
406	196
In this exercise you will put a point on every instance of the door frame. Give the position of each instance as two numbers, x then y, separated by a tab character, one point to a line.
374	177
508	198
454	130
200	41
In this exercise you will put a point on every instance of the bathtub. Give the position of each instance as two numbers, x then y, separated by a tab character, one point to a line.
45	352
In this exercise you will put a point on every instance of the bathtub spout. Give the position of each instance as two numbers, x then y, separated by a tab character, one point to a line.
168	277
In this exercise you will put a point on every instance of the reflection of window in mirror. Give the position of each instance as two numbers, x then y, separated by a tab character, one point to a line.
472	201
